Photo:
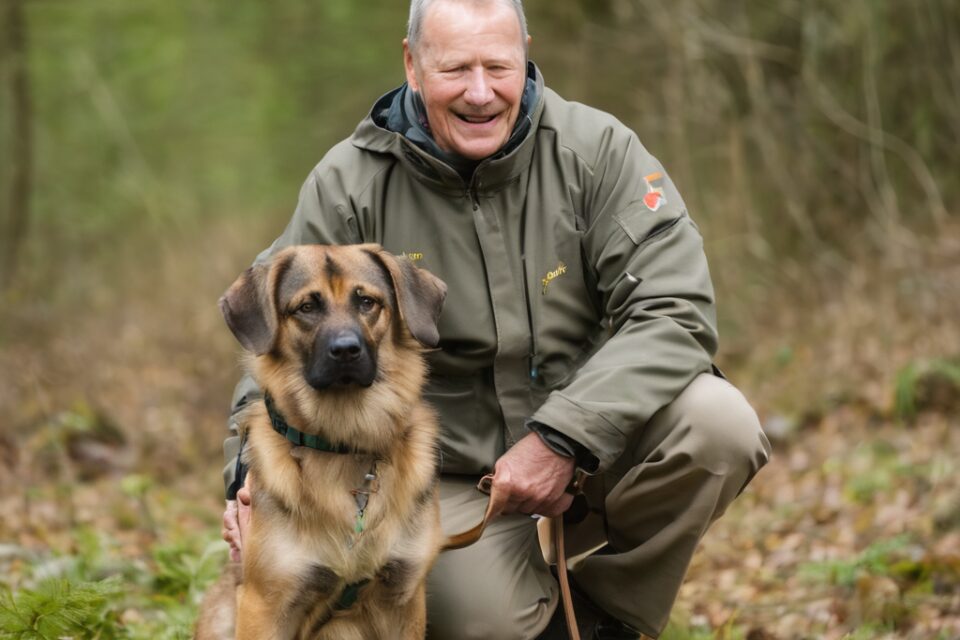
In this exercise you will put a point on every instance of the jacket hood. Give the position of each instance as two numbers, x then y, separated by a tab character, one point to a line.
388	128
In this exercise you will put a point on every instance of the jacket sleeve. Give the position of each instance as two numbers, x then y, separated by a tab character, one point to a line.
654	288
321	217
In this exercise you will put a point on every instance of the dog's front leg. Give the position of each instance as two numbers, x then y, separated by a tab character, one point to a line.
415	619
256	617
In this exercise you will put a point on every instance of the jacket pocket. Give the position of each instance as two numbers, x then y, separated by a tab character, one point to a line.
642	225
471	436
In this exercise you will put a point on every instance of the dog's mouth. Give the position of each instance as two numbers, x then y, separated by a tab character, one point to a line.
331	379
347	381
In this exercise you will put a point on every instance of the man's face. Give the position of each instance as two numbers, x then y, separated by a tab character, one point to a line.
469	68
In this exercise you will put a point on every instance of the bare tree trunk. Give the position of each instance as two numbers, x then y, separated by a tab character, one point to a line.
17	215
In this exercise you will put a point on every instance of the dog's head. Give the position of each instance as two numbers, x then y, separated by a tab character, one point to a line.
327	309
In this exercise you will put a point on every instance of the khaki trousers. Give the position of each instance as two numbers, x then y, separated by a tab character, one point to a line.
677	475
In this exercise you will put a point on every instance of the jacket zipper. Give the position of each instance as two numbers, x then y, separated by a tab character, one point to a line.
473	192
526	299
473	189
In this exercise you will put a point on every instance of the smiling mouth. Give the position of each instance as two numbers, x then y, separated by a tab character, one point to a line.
477	119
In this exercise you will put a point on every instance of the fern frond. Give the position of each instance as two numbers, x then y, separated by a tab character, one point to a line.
58	608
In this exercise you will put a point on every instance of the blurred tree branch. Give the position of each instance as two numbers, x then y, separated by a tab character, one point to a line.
17	80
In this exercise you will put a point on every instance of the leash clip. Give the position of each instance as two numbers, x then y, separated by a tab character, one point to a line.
361	496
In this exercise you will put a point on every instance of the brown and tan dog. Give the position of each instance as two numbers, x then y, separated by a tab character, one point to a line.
341	536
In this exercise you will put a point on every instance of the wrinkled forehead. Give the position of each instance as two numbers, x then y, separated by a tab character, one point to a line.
333	272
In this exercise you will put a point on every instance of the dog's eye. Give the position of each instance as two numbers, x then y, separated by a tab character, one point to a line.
307	307
365	302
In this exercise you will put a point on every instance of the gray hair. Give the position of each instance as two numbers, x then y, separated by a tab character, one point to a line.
418	8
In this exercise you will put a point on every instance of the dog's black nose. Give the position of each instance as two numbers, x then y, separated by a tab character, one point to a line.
345	347
342	358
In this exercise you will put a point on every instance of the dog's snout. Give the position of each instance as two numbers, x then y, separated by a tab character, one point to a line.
345	347
341	358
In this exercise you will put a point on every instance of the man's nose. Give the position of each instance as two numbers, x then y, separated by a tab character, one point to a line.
478	90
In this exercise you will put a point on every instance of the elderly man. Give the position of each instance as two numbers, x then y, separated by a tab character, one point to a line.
578	330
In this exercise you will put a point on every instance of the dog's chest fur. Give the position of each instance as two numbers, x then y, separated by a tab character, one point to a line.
315	493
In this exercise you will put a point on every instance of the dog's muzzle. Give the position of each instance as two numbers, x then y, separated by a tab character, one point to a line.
341	359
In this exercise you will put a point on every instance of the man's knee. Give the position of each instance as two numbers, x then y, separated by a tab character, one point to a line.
482	614
721	430
499	587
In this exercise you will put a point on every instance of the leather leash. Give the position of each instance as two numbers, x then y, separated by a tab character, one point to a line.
565	595
494	508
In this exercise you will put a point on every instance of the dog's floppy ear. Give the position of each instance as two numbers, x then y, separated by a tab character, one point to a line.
249	310
420	297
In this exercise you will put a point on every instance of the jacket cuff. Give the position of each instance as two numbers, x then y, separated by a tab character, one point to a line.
565	446
593	432
234	472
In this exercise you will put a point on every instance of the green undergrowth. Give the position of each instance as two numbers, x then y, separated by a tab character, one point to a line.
58	607
881	559
682	628
98	593
927	384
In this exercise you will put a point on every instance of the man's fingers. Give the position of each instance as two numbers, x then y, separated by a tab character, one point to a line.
229	519
529	507
231	529
539	503
534	499
520	497
236	520
244	499
557	507
545	507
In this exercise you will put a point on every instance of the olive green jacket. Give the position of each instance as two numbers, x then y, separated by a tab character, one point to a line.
578	290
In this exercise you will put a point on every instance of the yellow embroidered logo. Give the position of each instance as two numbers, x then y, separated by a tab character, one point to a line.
413	256
553	275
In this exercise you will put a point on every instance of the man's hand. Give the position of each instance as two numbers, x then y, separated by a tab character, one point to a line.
534	477
236	520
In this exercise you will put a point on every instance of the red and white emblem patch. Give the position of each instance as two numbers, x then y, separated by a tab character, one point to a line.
654	198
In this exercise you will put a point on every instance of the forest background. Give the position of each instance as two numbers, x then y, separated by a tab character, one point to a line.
150	149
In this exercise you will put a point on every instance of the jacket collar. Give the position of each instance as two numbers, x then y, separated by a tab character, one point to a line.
491	174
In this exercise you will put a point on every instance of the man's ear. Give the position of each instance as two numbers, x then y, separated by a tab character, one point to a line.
408	66
249	309
420	296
